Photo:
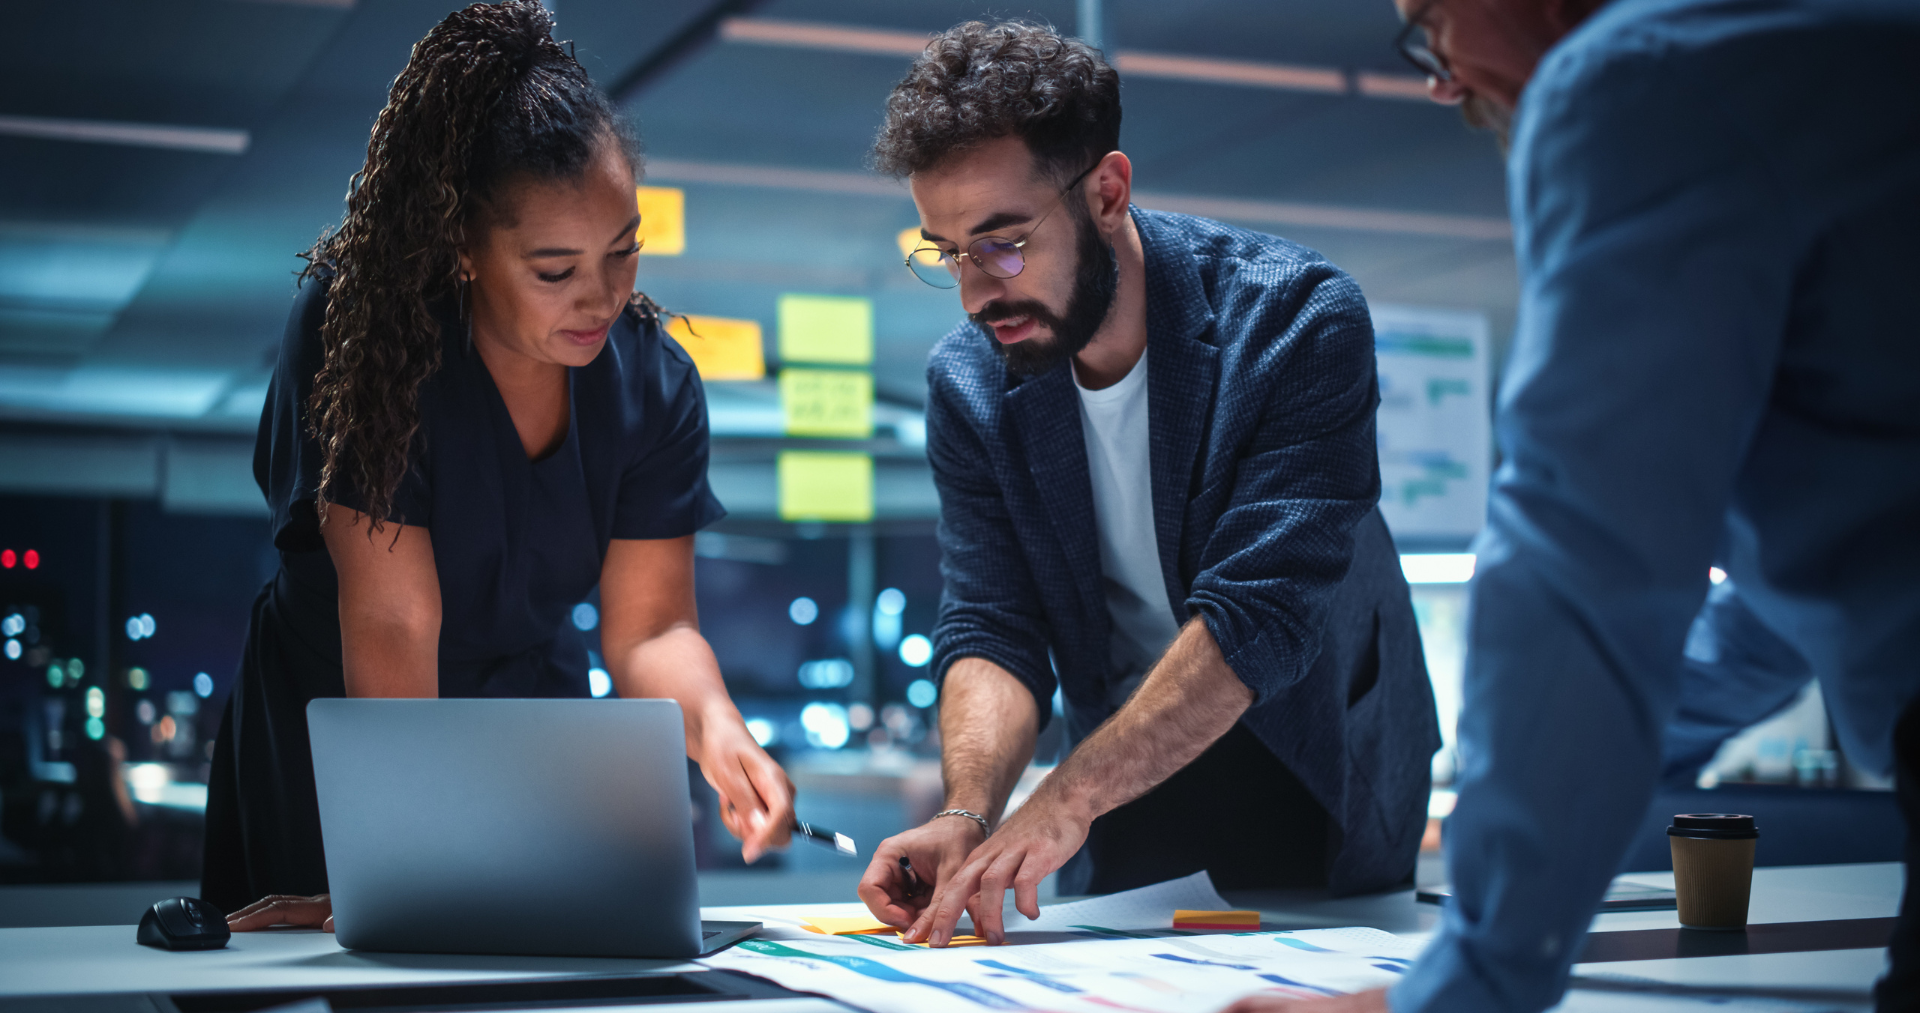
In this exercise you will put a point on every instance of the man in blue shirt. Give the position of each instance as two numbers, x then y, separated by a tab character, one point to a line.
1155	452
1716	210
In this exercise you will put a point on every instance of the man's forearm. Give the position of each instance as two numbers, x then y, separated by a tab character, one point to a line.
988	723
1190	699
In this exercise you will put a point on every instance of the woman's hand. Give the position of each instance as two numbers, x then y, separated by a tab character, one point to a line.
650	632
756	798
282	909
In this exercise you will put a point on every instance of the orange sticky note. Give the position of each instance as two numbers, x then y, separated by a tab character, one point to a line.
1217	921
721	349
663	220
845	926
955	941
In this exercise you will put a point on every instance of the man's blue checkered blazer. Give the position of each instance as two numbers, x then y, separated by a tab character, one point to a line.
1261	398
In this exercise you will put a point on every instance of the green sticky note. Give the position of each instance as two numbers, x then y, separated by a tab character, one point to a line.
826	328
817	485
827	402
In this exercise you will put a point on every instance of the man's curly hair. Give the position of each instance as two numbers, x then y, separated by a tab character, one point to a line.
487	99
979	81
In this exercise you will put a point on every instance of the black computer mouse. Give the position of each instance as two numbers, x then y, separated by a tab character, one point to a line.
184	923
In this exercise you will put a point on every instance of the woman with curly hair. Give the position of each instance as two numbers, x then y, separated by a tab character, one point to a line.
474	421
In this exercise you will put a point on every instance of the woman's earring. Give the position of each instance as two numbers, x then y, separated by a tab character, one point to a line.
466	316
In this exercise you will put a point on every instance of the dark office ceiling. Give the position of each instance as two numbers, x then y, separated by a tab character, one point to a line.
144	287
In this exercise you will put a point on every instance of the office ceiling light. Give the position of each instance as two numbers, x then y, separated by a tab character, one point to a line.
818	35
212	140
1247	73
1248	212
1133	62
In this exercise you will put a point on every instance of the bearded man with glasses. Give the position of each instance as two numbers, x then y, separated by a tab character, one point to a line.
1192	555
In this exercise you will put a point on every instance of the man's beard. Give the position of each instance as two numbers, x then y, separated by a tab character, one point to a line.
1095	283
1483	113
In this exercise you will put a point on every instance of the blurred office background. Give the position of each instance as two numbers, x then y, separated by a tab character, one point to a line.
162	163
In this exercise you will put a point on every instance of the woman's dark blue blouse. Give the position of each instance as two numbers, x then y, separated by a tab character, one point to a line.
517	544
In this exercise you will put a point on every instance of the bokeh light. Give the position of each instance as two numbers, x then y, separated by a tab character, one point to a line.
803	611
916	650
825	725
922	693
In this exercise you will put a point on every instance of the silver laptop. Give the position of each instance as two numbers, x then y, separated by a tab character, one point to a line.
557	827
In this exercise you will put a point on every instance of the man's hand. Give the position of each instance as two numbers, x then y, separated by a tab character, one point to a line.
937	850
1033	842
282	909
756	798
1374	1001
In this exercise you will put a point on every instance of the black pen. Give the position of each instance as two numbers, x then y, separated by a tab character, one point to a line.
913	881
838	842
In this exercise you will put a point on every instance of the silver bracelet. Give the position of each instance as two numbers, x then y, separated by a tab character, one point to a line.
976	817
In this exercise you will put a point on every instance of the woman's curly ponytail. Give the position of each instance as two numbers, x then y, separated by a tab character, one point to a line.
486	96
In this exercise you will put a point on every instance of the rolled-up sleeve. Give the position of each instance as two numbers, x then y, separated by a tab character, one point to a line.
989	606
1308	474
1656	268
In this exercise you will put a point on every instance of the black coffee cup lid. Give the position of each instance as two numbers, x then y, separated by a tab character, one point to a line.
1715	826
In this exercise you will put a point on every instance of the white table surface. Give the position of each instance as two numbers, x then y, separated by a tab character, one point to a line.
1841	979
105	959
1838	979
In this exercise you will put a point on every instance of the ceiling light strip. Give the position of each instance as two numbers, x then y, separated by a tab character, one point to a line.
1251	212
672	170
1391	86
1166	66
214	140
1247	73
1329	216
816	35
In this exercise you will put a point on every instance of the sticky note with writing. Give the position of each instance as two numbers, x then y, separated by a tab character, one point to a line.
824	328
827	402
722	349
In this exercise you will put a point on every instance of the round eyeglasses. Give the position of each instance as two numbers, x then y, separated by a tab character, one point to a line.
996	256
1418	52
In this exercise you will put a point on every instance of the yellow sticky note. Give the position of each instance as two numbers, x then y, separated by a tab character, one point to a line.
914	245
722	349
910	240
827	402
826	328
818	485
955	941
1230	921
846	926
663	220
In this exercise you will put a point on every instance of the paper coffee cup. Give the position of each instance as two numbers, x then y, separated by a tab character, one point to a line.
1712	868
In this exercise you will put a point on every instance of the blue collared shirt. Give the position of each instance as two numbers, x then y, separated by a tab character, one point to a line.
1717	361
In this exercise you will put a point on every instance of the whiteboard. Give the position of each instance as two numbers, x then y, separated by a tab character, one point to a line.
1434	425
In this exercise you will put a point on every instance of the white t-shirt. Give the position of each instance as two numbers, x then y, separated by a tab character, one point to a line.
1114	422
